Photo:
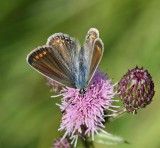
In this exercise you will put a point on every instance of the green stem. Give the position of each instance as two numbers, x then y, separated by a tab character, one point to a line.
117	114
87	144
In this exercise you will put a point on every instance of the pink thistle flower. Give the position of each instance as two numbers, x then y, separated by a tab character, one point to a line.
61	143
83	114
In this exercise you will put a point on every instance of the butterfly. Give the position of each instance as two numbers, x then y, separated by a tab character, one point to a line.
63	60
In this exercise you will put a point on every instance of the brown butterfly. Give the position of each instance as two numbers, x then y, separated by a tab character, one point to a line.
66	62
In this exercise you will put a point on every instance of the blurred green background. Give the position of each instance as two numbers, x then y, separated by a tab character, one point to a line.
130	30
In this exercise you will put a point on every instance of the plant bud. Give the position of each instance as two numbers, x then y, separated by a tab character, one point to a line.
136	89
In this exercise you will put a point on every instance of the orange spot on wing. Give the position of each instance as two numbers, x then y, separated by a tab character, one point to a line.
99	49
37	57
44	53
40	55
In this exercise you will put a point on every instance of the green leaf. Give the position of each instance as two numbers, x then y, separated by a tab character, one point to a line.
109	139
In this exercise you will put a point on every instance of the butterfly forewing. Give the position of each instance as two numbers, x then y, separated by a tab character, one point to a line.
96	57
85	58
47	62
88	45
93	52
68	50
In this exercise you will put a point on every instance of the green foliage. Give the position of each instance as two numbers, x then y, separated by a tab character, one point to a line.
131	34
108	139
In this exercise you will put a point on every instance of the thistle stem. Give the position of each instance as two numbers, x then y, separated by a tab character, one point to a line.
117	114
88	144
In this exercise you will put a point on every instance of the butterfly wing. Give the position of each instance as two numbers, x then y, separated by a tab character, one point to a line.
96	58
64	61
93	49
57	59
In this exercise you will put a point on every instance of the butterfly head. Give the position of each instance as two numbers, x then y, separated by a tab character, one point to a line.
82	91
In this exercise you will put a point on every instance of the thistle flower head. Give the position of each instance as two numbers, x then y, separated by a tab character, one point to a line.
61	143
83	114
136	89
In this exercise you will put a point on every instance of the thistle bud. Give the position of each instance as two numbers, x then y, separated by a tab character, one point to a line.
136	89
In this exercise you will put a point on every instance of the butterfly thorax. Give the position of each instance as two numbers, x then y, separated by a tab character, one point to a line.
81	84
